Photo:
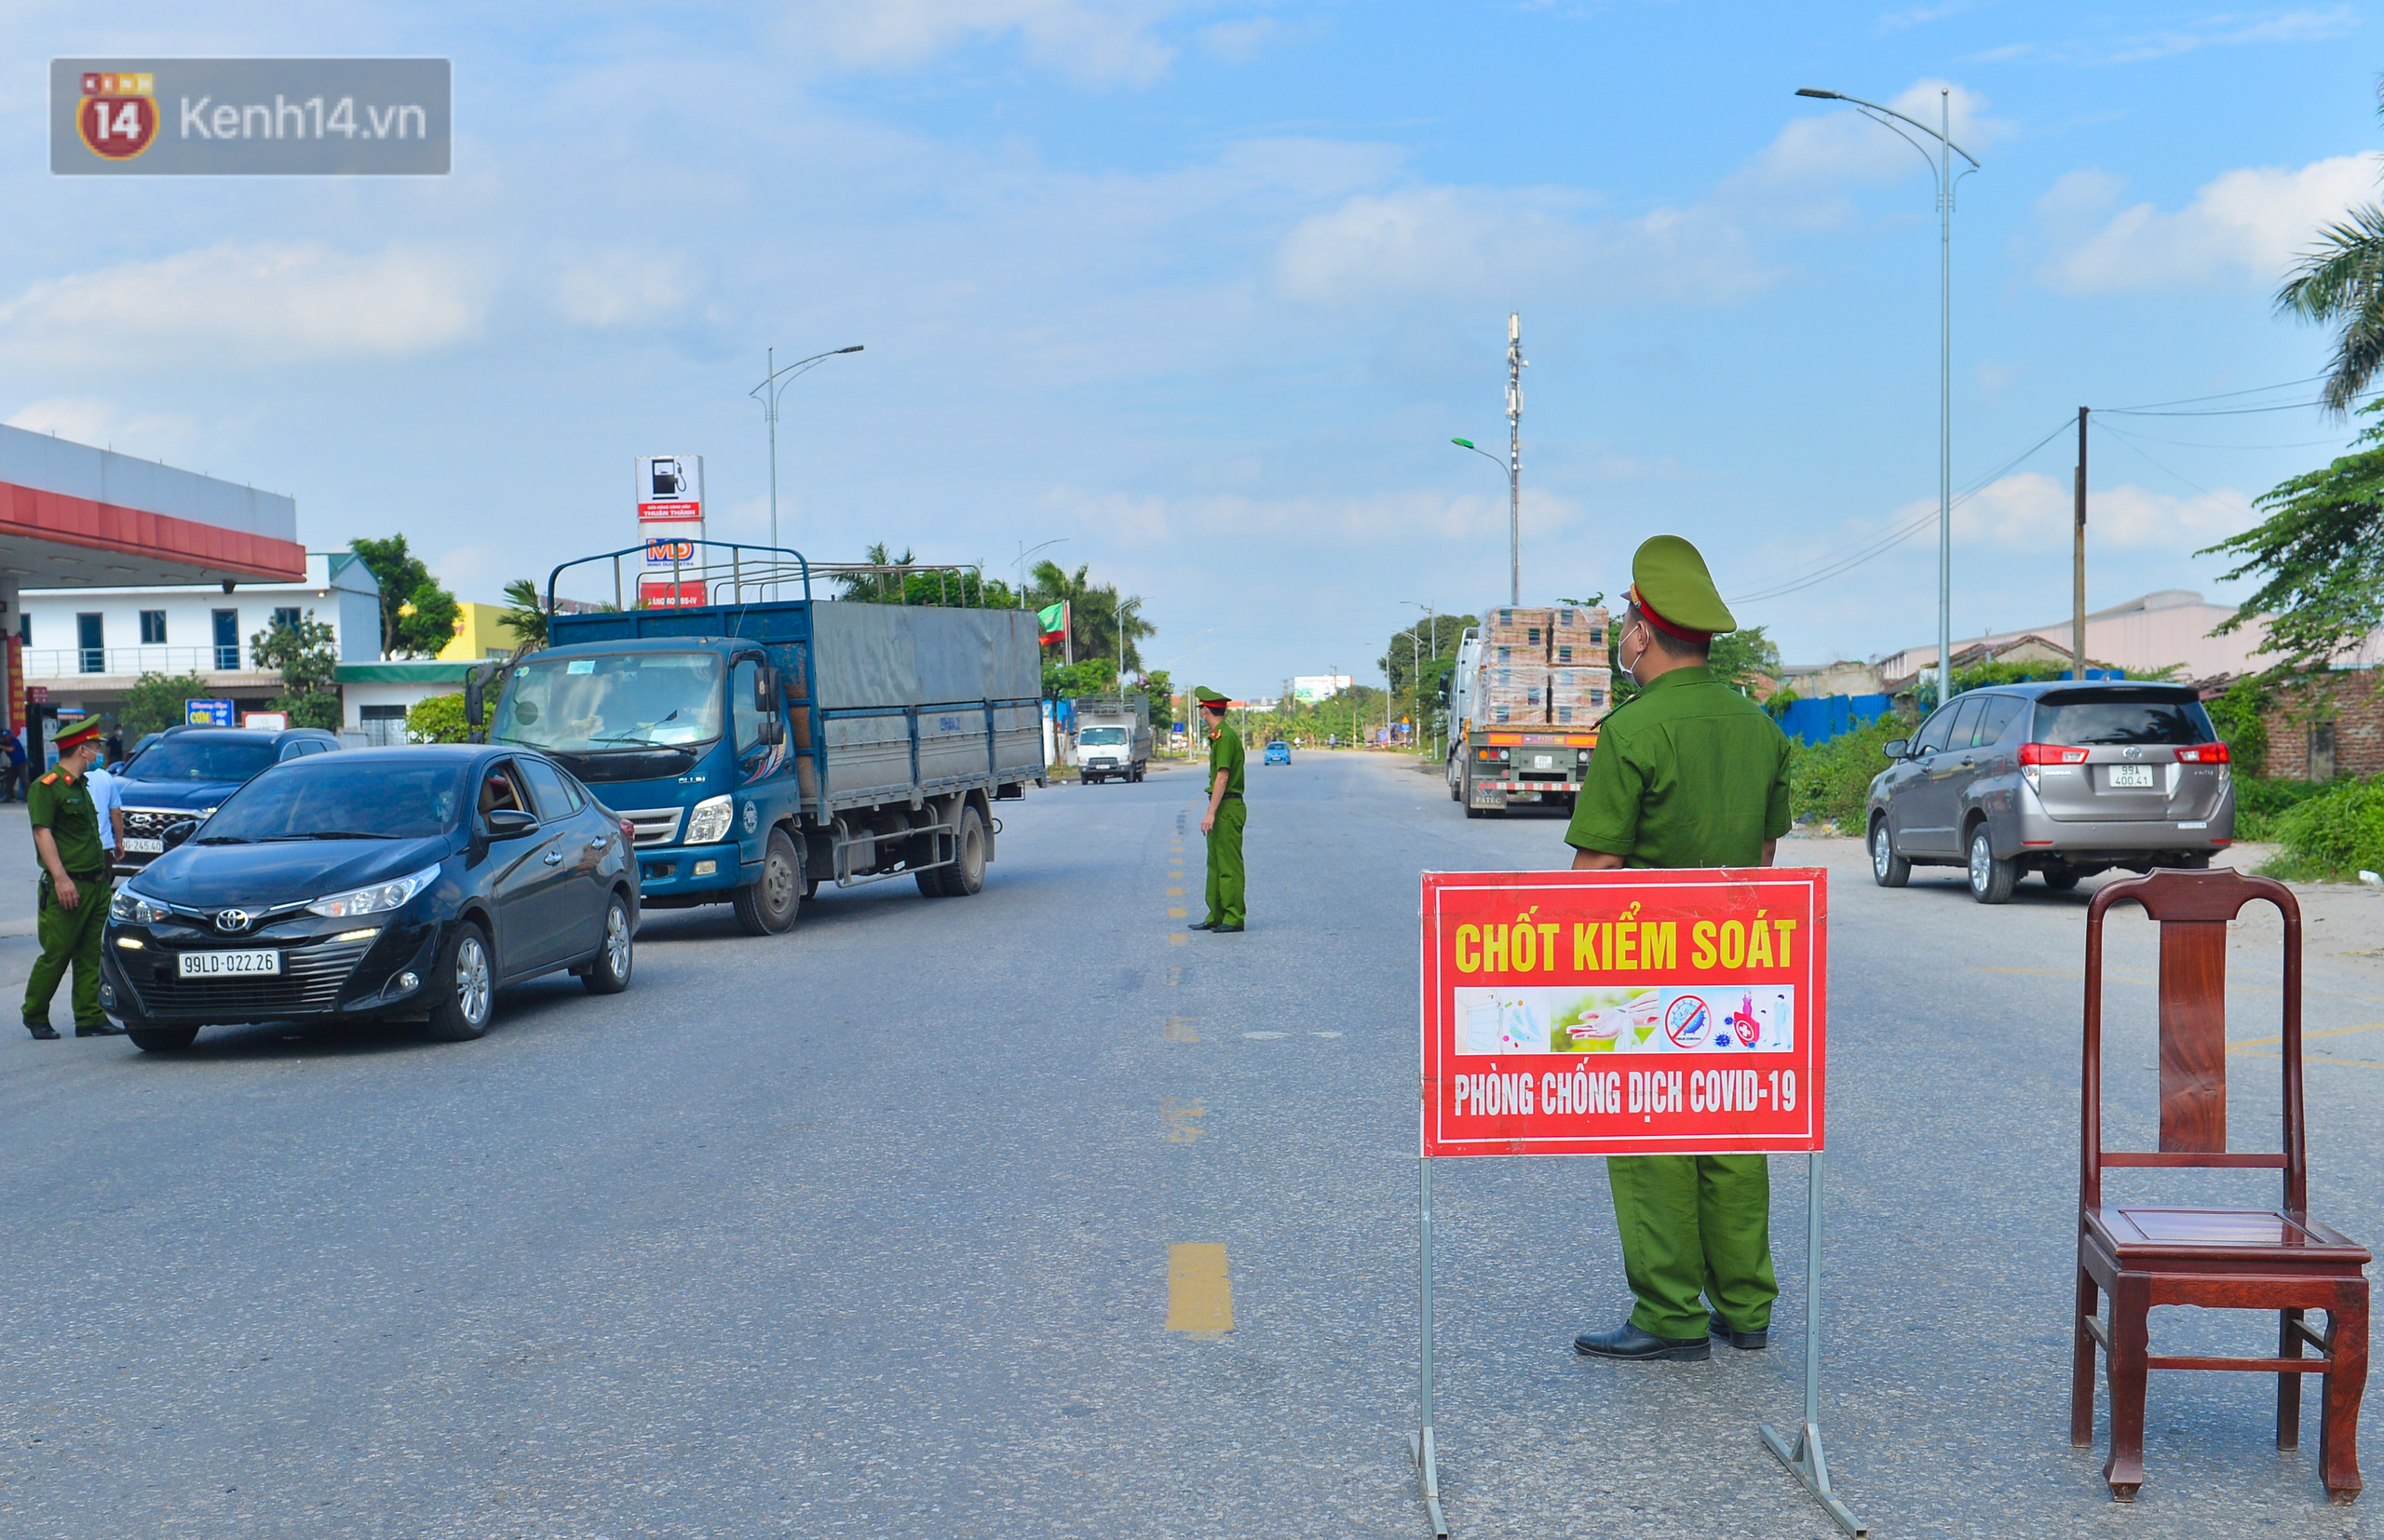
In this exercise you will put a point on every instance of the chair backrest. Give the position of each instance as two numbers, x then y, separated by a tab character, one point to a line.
2192	909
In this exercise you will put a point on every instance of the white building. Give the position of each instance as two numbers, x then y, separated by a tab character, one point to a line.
86	647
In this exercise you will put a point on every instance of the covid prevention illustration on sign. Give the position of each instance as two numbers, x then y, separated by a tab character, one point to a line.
1627	1012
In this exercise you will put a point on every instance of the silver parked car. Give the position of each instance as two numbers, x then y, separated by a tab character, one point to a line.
2058	778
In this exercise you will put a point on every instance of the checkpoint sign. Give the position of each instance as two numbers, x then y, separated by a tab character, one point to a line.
1627	1012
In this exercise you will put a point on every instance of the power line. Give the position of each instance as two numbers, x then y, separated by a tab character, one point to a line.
2222	396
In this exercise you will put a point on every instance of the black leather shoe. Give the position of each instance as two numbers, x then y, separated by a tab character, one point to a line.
1628	1341
1745	1342
105	1029
43	1031
1202	925
1227	930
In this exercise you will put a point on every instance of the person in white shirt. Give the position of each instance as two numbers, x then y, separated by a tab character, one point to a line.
107	797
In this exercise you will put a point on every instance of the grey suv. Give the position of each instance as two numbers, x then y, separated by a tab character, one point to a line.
2058	778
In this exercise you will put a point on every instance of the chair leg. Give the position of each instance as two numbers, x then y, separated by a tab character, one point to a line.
2346	1379
2288	1387
2081	1363
2130	1346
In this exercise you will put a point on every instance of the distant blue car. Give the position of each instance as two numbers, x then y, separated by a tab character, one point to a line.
1278	752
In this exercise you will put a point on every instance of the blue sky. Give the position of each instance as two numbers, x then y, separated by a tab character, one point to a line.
1204	288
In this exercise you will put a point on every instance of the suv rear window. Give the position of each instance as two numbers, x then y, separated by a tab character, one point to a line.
2111	716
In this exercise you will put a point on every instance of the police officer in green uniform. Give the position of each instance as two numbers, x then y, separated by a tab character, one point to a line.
1222	823
75	888
1691	773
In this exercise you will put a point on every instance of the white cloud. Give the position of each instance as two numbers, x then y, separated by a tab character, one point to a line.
2306	25
2253	221
1240	41
91	420
1098	42
2034	512
267	302
620	288
1324	522
1461	242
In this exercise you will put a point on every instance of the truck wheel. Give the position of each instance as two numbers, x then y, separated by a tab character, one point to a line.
162	1039
767	905
966	875
463	986
1454	773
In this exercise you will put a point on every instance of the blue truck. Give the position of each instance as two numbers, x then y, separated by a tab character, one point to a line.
761	748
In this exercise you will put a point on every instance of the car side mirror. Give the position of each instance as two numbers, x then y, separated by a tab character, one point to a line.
504	823
176	832
1895	749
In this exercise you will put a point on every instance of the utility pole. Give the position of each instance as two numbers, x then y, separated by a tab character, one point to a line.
1515	366
2077	565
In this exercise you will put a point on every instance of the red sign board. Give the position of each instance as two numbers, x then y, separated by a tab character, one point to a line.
1631	1012
661	593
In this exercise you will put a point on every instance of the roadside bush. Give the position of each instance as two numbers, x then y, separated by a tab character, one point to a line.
1828	781
2259	803
2240	717
436	719
2334	835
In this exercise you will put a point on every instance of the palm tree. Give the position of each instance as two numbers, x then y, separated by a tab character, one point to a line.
2341	282
525	612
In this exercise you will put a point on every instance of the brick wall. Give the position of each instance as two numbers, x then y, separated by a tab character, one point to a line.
2357	699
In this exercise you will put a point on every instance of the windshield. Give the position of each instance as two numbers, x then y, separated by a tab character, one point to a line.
332	796
202	759
629	700
2108	720
1093	737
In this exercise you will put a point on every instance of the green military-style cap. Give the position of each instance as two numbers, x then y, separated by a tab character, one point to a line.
1670	586
1208	696
77	734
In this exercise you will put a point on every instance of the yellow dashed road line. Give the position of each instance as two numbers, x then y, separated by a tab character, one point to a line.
1200	1291
1179	1030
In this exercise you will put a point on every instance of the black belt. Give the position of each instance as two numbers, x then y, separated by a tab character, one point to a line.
88	876
1233	796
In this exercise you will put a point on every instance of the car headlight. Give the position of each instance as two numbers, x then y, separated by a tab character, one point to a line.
127	908
709	821
379	898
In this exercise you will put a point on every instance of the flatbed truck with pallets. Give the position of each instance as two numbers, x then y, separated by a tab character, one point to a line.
761	748
1502	756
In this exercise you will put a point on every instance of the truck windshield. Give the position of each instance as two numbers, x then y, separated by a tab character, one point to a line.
202	759
2114	717
624	700
1096	736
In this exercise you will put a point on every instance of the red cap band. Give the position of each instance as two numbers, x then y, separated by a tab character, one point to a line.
1682	633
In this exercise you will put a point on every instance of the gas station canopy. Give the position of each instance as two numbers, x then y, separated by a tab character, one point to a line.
72	516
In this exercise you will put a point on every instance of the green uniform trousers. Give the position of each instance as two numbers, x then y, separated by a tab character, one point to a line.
70	936
1694	1224
1226	903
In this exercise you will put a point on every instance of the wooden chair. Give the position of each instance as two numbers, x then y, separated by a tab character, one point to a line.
2236	1259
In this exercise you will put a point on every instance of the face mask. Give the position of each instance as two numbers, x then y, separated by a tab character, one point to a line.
1630	665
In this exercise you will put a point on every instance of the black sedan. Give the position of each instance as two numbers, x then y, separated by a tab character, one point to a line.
375	883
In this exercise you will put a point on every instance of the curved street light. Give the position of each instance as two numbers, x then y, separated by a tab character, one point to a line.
1941	165
1512	471
774	385
1025	550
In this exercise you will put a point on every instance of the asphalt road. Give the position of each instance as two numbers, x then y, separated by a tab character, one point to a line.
867	1231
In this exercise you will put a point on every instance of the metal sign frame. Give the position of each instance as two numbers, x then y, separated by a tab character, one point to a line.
1805	1457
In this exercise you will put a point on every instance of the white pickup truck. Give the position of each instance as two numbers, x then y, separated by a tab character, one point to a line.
1113	737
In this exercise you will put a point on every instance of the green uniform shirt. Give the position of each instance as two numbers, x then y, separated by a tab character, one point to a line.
1225	753
1689	774
63	807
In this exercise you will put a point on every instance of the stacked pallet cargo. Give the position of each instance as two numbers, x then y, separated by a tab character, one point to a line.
1580	685
1514	667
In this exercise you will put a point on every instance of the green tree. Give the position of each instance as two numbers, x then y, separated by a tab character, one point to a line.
2319	555
525	612
155	703
306	655
436	719
1746	658
2340	282
2240	716
1092	613
418	614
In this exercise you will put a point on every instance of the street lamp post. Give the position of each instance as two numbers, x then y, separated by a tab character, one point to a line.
1941	165
1416	675
1025	550
1514	514
773	385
